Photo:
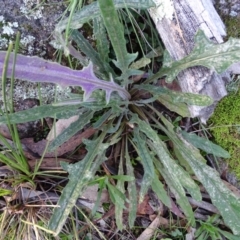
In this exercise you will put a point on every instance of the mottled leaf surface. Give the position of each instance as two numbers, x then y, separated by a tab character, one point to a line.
43	111
103	44
132	191
119	204
217	57
176	177
116	34
205	145
146	161
80	174
222	197
158	188
177	97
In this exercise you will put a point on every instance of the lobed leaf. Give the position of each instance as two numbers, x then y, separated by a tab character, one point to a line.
217	57
103	44
116	34
226	202
86	168
174	175
35	69
91	53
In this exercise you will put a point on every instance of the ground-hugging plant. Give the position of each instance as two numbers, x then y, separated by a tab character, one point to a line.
128	117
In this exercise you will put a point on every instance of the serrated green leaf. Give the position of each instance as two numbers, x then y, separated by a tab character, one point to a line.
132	191
90	52
71	130
36	113
176	176
205	145
86	168
216	57
178	191
176	97
176	171
116	34
146	161
226	202
103	44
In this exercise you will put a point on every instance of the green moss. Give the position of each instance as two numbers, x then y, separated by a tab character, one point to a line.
225	124
233	26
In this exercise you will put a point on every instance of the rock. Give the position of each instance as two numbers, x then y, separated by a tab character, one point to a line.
27	129
35	20
228	7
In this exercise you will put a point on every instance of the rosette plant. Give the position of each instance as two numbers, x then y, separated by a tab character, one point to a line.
128	121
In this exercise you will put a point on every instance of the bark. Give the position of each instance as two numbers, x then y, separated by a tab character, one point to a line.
178	37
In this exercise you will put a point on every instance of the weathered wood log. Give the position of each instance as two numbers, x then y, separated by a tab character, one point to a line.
178	34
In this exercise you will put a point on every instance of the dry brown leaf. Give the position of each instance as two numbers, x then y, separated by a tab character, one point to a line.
144	208
235	190
70	145
60	126
91	194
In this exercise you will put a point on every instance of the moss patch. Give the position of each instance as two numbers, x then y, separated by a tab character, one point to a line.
226	128
233	26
